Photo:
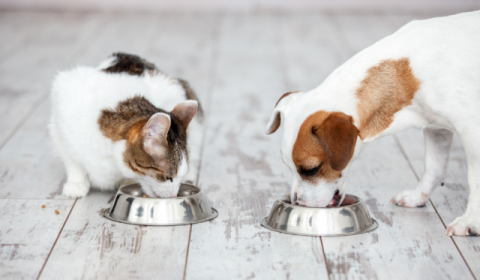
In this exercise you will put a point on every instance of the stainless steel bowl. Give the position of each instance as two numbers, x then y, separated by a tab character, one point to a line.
349	219
131	207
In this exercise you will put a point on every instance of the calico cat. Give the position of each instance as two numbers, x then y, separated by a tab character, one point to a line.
125	120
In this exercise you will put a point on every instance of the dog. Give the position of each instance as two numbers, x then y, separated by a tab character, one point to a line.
425	75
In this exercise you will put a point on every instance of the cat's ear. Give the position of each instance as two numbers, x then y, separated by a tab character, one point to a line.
155	133
185	111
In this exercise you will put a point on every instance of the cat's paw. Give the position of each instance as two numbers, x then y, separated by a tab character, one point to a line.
75	190
410	198
463	226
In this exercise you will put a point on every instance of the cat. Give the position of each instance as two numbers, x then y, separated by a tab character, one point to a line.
125	120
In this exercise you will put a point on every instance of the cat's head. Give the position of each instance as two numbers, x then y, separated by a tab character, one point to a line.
156	150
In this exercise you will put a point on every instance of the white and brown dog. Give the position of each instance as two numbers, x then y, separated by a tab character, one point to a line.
426	75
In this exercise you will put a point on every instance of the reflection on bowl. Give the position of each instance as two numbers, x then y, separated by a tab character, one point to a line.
131	206
350	218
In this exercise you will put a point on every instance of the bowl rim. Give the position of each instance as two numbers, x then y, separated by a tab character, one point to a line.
370	228
359	201
159	198
106	214
283	202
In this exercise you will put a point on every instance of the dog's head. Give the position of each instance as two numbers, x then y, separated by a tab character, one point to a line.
316	147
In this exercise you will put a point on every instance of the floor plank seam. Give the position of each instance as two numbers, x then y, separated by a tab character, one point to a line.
278	38
342	36
54	243
82	47
210	88
397	141
325	258
208	100
281	54
188	250
466	263
453	240
77	49
14	49
402	150
33	108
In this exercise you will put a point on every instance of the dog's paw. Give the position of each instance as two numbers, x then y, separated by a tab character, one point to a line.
463	226
75	190
410	198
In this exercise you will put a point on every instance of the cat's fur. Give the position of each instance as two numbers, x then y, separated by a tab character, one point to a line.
123	120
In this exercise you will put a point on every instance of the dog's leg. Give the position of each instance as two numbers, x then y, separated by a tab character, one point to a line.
469	222
437	150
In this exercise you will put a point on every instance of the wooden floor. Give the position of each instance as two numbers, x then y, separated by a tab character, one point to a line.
239	64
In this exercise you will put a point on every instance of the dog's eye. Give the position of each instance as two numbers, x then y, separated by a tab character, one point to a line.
310	172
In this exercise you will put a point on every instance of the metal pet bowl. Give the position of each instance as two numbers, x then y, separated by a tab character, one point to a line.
130	206
348	219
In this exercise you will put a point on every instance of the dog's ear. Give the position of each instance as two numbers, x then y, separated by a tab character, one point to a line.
338	136
280	107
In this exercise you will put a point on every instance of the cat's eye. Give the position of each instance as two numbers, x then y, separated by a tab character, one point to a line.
310	172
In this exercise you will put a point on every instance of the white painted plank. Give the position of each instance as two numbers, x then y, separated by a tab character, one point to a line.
451	199
129	33
28	168
27	232
412	237
26	74
91	246
16	29
241	171
186	48
308	43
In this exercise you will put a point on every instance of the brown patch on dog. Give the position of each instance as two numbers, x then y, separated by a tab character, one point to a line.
388	88
328	139
129	63
127	122
285	95
191	95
